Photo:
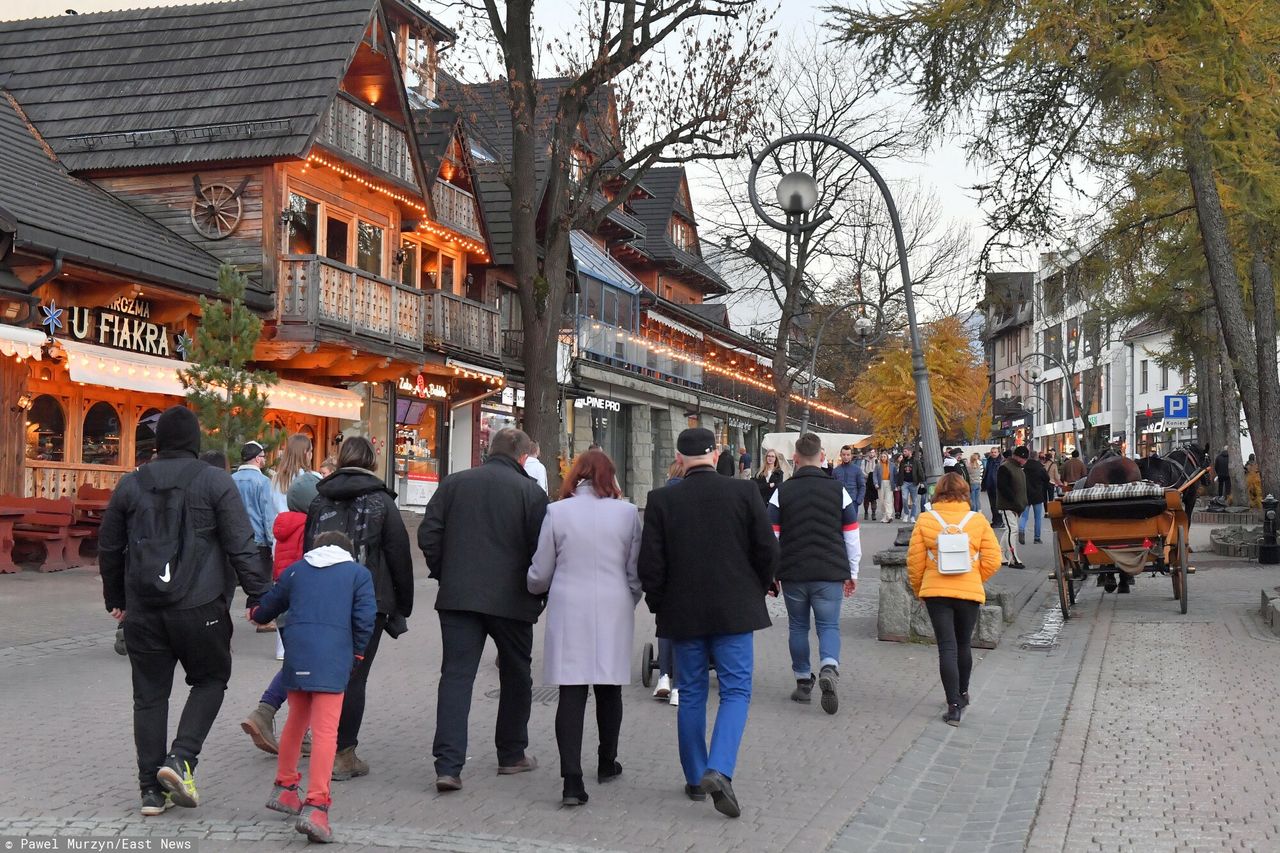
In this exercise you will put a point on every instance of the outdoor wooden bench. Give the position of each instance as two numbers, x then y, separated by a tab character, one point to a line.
51	522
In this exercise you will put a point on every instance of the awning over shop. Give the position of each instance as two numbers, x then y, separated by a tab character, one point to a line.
474	371
16	341
673	325
96	365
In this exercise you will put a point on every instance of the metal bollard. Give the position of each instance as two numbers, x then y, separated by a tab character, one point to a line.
1268	548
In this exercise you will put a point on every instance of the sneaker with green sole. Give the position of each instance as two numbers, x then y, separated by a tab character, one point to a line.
177	778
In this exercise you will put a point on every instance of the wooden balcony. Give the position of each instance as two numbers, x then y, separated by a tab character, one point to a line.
456	209
316	292
359	132
459	323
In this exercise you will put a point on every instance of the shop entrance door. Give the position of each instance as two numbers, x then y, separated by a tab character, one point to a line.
610	430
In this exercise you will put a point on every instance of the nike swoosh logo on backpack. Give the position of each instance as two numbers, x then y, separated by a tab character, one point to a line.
164	578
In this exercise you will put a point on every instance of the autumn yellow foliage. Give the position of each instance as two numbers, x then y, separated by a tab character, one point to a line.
957	381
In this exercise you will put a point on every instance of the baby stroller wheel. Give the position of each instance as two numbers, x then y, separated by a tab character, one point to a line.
648	663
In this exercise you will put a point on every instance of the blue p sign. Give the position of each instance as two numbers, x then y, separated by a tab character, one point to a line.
1176	406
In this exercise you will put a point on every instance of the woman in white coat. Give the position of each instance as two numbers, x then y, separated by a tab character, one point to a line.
586	564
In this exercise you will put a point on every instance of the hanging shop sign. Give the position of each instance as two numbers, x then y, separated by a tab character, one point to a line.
597	403
741	424
122	324
420	387
513	397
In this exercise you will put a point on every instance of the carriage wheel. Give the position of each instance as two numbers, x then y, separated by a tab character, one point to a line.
647	665
1180	574
1064	583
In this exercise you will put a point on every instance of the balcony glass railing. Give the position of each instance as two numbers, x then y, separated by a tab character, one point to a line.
610	343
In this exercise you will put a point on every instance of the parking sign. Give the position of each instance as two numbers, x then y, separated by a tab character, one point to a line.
1177	411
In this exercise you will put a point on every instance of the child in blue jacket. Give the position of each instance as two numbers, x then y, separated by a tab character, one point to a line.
331	608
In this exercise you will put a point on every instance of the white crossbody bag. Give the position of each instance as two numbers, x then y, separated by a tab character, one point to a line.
953	556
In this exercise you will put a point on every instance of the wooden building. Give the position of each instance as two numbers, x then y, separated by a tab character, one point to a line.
295	141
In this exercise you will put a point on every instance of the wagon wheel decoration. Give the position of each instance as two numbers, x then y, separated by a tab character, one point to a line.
217	208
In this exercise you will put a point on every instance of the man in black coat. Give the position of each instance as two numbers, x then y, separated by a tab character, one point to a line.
194	629
724	463
707	559
1011	497
990	465
1037	493
1222	472
478	536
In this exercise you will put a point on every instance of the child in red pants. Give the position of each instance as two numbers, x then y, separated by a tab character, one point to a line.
331	605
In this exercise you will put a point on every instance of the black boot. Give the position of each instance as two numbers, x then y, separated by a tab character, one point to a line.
804	690
952	717
575	793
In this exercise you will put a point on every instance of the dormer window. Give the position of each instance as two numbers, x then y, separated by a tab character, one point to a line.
579	165
683	235
421	62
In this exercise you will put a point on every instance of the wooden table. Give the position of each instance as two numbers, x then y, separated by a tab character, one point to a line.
8	516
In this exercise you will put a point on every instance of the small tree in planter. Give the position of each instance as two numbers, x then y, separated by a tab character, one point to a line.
229	399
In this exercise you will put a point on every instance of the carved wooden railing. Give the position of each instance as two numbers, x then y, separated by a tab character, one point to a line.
316	291
462	324
63	479
456	208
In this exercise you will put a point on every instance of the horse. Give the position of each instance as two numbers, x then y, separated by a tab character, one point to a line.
1111	468
1177	469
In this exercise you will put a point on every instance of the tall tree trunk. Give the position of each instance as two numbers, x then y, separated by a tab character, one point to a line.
1229	417
1264	324
1229	296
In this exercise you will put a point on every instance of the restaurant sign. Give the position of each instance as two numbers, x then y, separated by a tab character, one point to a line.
123	324
420	387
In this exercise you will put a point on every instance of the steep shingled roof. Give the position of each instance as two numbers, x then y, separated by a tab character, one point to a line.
181	84
664	184
58	211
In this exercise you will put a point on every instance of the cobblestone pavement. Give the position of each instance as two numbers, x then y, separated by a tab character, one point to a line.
801	777
1171	742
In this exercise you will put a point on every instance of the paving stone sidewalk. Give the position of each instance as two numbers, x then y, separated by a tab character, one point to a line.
1172	741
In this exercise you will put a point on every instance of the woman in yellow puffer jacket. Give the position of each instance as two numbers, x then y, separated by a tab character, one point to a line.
953	599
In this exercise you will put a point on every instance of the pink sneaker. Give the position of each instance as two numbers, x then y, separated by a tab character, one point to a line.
284	798
314	823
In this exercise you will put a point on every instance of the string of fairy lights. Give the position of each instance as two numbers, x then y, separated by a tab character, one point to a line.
425	225
660	349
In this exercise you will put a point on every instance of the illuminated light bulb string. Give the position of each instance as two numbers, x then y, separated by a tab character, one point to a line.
425	226
657	348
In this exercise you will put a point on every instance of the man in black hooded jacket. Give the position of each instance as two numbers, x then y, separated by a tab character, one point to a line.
195	630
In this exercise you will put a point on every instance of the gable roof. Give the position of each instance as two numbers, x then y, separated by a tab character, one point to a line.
181	84
56	211
664	184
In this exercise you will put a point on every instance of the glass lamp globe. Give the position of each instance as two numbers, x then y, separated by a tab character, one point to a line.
797	193
862	327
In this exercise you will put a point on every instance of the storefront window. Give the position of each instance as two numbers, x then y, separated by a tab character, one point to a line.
609	430
417	448
369	248
144	437
46	430
492	420
303	219
335	239
101	435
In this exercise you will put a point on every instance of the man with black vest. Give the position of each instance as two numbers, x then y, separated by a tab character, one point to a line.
816	522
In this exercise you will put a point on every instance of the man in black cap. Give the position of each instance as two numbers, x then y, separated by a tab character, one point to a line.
171	535
707	559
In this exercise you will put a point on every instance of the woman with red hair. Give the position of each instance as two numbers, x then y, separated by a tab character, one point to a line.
586	566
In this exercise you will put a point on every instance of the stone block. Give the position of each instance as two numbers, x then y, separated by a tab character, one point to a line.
903	538
893	622
921	627
891	557
1274	617
990	625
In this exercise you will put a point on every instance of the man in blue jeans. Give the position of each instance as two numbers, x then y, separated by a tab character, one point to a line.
816	522
707	557
909	479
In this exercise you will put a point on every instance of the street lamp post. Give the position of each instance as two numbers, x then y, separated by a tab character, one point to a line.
862	327
801	194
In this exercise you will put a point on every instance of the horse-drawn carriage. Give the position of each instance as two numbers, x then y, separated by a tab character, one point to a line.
1115	530
1118	526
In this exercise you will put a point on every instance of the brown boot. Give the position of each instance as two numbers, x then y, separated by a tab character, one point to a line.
347	765
260	726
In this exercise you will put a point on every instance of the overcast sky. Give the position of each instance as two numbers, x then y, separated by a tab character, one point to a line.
943	170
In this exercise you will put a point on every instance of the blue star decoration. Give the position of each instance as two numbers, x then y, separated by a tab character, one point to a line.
183	345
52	319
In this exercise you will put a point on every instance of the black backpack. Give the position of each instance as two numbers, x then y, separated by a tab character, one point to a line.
163	554
350	517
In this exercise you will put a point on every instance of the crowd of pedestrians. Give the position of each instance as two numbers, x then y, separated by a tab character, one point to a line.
325	557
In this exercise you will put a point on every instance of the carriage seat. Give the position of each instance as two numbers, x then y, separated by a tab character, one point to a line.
1142	499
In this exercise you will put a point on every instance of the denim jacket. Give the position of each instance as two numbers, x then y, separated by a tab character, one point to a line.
255	491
